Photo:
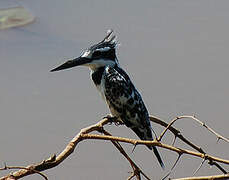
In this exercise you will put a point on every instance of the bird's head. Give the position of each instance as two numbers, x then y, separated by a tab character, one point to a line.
99	55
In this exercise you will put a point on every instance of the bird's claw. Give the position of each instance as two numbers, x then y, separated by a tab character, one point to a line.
113	119
118	122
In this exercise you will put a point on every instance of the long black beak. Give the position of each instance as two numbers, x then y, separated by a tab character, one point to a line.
72	63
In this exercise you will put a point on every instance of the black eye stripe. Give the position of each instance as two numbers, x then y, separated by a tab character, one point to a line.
97	53
108	54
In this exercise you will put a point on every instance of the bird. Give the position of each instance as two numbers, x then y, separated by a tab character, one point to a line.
117	90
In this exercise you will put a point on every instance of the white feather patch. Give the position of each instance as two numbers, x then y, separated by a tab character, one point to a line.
85	54
104	49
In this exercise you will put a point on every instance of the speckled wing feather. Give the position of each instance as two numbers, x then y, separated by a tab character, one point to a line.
126	103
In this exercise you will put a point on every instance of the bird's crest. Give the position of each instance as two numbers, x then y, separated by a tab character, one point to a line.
109	42
110	38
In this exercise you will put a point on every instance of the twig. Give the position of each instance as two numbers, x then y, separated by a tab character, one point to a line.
56	160
168	126
176	133
218	166
84	134
215	177
197	120
201	164
185	140
136	170
207	127
154	143
131	176
20	167
178	158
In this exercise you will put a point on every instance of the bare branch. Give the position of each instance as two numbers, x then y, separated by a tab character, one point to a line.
168	126
201	164
185	140
176	132
215	177
197	120
131	176
174	165
218	166
56	160
20	167
207	127
137	172
154	143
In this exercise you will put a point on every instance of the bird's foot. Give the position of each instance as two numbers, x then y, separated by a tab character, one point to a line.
118	122
113	119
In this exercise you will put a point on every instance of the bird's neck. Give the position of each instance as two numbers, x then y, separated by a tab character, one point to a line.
97	74
94	66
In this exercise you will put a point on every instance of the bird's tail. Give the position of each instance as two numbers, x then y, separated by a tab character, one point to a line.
148	136
157	156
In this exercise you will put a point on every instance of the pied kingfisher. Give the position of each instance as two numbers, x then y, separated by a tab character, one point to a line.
123	99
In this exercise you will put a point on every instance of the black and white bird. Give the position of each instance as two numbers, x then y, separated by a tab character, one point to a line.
115	86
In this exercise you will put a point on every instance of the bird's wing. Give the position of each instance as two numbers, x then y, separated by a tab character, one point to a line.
123	97
126	100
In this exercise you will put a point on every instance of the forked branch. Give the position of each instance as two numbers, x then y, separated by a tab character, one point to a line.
84	134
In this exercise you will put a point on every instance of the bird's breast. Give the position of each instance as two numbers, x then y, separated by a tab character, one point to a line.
97	75
101	88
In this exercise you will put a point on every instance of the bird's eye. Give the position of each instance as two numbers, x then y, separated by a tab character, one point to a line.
96	54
